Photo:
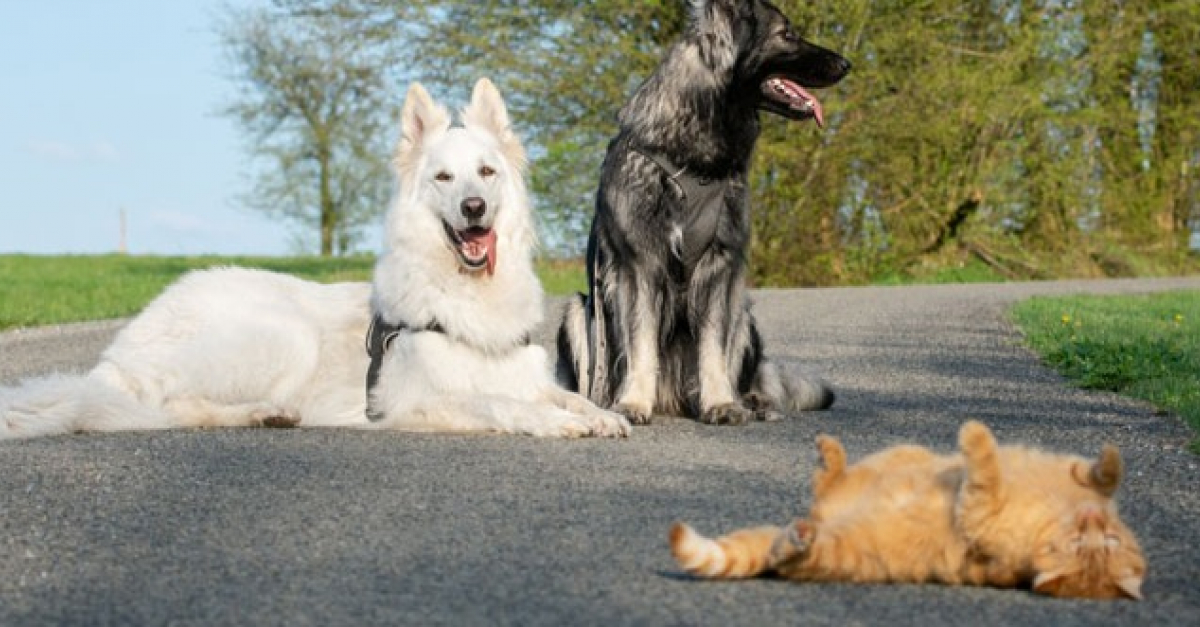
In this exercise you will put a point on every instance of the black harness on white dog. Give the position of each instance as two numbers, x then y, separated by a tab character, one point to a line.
703	200
380	336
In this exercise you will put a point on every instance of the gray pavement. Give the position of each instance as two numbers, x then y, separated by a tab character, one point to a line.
314	527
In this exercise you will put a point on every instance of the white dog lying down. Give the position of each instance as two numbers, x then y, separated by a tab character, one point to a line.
455	299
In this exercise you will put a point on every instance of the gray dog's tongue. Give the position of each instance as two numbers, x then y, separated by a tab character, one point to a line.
478	242
810	100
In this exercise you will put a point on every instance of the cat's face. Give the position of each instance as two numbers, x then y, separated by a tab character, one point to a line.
1090	554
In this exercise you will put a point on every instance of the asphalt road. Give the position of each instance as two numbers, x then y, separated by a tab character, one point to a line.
313	527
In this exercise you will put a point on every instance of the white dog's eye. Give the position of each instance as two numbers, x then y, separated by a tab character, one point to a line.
487	171
443	177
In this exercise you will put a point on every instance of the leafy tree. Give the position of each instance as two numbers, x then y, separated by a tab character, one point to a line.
1037	138
316	101
564	68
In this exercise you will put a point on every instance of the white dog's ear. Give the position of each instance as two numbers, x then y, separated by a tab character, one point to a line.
488	113
421	120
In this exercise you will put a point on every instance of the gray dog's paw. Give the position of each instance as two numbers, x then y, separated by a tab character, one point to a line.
727	414
765	409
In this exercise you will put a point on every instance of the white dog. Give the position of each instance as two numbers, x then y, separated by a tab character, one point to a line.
454	301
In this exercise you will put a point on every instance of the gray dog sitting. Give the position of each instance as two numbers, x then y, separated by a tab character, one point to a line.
666	327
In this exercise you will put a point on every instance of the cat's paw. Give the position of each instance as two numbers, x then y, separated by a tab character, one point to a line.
833	456
793	542
800	535
975	437
727	414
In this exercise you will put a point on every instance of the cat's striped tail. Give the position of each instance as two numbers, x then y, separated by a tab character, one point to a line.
743	553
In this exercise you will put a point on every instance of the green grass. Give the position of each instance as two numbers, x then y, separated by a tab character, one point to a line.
39	290
563	277
971	271
1145	347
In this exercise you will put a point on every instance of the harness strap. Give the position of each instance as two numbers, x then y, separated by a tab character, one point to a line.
380	336
595	388
673	172
703	201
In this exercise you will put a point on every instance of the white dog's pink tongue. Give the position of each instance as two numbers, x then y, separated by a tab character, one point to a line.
480	242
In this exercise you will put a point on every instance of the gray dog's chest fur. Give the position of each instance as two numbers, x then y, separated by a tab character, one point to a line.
700	202
666	215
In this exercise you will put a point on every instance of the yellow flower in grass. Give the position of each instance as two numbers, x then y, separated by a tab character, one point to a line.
1178	318
1066	319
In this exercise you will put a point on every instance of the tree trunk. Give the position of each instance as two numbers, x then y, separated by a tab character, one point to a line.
328	209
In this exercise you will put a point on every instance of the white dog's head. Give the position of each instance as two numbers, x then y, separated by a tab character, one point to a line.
470	178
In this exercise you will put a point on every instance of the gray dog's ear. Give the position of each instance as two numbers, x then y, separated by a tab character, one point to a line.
702	11
712	21
488	113
421	120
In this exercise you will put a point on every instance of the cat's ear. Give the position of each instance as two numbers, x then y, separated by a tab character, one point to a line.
1103	476
1051	584
1048	583
1131	587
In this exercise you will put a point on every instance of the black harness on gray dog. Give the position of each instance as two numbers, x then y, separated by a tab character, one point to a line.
703	200
380	336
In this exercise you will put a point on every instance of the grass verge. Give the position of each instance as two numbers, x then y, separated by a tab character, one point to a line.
1145	347
38	290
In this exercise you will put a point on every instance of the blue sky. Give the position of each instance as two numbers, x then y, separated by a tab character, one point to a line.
112	104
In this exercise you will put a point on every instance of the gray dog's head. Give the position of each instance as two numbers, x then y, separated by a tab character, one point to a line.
755	46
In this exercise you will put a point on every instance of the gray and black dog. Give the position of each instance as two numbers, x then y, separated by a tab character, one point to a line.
667	326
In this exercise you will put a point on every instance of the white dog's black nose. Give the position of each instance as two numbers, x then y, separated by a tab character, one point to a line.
473	208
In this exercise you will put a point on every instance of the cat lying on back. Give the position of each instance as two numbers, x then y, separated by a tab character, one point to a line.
992	516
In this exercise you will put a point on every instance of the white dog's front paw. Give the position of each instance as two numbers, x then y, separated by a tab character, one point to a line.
556	424
273	417
607	424
566	424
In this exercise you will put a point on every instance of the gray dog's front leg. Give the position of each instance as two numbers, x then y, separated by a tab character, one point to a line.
640	338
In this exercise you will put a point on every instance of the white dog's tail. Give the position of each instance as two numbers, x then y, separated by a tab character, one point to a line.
62	403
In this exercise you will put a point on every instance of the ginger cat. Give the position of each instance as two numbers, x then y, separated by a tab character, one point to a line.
996	516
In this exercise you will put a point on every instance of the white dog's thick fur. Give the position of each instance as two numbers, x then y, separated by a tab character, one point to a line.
236	347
